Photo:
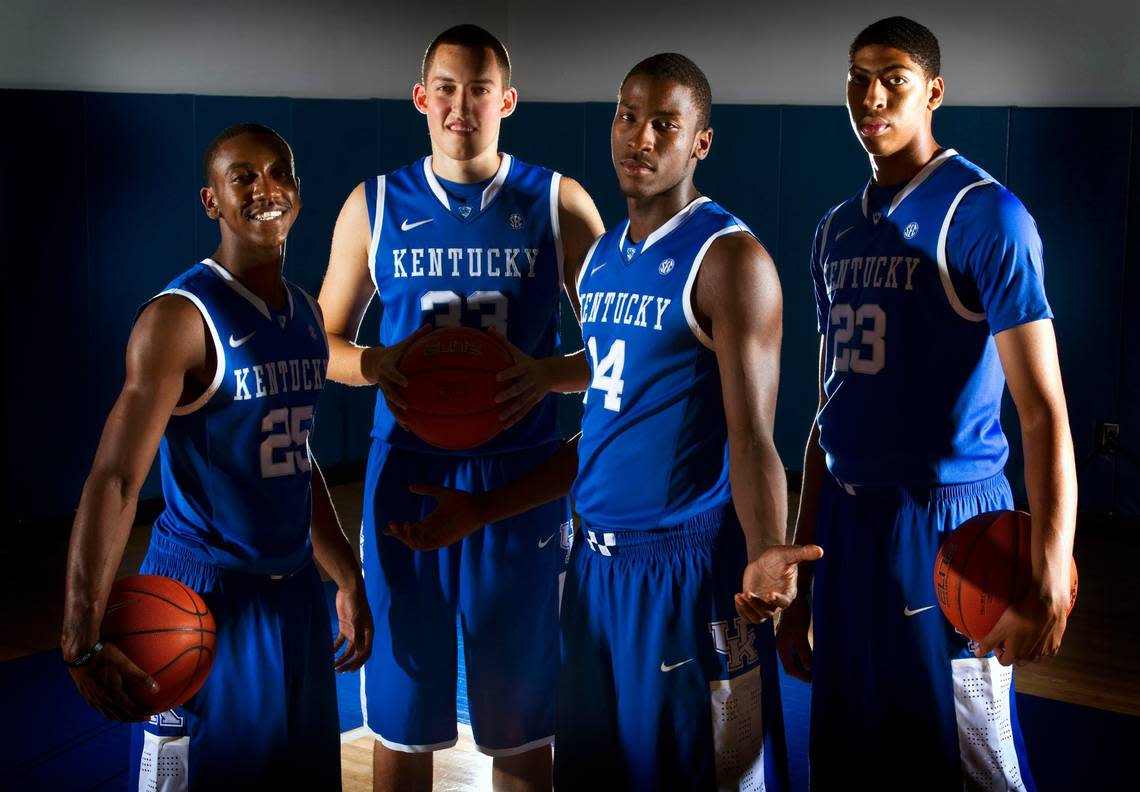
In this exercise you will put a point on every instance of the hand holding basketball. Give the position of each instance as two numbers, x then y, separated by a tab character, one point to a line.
1032	627
524	384
380	365
108	681
770	580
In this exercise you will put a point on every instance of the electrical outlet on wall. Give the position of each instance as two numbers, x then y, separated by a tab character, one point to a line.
1107	438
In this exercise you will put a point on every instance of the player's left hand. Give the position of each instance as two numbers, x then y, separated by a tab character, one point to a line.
770	580
354	629
456	514
1030	628
523	385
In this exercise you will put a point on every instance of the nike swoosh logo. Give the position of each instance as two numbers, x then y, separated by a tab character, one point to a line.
595	269
908	612
544	542
841	233
406	226
668	668
236	342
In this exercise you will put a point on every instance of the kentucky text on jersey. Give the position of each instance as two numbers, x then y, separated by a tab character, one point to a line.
282	376
628	309
880	272
464	262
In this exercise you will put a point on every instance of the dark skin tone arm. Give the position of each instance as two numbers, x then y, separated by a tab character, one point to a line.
167	349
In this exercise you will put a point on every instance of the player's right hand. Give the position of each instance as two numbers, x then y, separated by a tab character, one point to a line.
792	638
456	514
380	366
107	681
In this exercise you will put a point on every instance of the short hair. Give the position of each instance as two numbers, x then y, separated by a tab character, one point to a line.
903	34
676	67
237	130
471	37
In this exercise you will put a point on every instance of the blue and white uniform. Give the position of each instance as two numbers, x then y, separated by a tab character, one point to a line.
911	284
443	256
236	478
663	685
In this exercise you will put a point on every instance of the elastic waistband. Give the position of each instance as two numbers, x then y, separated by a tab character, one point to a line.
167	557
696	532
936	493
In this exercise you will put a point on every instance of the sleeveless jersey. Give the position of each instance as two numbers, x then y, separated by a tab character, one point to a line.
654	446
908	296
235	462
499	266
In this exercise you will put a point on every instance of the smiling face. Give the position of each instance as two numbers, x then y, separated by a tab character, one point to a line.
891	100
655	138
253	191
464	99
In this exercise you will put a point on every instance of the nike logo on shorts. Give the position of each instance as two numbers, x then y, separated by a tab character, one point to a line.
406	226
908	612
544	542
667	668
236	342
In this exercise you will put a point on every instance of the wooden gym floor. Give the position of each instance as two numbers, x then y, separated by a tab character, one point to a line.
1099	663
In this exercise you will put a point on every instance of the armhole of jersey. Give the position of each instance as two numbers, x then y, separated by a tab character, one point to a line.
317	314
823	236
687	294
556	227
220	352
377	212
943	265
585	264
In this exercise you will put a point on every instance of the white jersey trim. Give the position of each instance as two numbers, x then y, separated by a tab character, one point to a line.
915	181
219	350
585	265
318	314
667	226
237	286
687	294
374	242
556	227
489	192
943	265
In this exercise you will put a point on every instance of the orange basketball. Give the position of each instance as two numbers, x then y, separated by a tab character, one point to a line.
983	566
451	387
166	630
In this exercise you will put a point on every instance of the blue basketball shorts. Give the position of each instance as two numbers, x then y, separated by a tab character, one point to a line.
663	686
267	715
501	583
897	693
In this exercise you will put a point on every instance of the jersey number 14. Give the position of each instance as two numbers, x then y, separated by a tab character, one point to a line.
607	373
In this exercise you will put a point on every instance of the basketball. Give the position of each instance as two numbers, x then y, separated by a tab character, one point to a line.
166	630
451	387
983	566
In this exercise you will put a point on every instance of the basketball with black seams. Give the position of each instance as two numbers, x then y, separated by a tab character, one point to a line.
451	387
984	565
165	628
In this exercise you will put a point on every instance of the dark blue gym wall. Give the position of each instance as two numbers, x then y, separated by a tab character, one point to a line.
99	209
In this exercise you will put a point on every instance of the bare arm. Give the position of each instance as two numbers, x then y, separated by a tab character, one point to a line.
335	555
168	343
529	380
737	294
1034	627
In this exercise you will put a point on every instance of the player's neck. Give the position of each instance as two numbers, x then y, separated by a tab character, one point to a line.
258	269
901	167
476	169
648	214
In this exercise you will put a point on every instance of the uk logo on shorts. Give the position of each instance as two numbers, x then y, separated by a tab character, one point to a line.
738	647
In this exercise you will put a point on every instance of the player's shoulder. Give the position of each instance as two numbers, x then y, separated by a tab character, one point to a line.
988	206
301	296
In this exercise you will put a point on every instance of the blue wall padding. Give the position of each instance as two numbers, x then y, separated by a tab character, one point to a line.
100	209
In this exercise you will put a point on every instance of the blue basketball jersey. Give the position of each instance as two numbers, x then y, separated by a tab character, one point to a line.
496	262
911	284
235	462
654	447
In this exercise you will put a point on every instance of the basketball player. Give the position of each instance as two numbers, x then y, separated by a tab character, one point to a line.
224	367
468	236
663	685
929	287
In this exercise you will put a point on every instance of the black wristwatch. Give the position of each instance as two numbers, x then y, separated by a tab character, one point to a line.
85	658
